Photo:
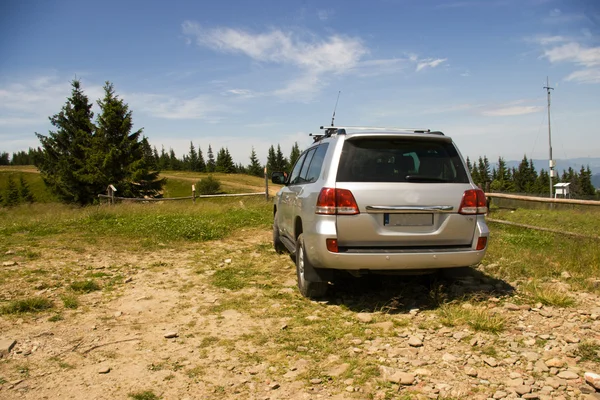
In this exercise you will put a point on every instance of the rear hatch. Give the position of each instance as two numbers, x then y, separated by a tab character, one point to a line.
408	189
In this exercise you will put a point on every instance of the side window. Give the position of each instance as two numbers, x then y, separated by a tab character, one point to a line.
314	170
307	161
295	175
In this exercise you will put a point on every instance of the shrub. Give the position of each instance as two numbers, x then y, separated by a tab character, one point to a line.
209	185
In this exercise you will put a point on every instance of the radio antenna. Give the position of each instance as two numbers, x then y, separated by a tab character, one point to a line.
335	108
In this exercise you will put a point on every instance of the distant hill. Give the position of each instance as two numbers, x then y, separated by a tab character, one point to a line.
596	181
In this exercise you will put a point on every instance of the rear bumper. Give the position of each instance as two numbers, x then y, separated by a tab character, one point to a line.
391	260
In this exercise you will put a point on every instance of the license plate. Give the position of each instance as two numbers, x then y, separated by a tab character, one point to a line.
408	219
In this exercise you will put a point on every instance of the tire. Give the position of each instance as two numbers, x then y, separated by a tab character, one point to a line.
308	289
277	243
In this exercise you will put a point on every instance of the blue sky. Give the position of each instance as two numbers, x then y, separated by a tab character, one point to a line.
238	74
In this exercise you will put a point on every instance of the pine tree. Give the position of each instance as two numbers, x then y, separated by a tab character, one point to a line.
192	158
294	155
542	183
12	193
281	162
4	158
174	162
585	182
271	161
210	164
119	153
201	166
254	168
64	156
24	191
502	181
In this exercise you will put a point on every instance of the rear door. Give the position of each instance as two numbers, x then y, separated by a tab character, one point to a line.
408	189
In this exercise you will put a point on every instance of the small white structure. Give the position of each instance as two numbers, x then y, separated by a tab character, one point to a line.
562	189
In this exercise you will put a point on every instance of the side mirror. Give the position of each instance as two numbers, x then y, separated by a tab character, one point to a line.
278	177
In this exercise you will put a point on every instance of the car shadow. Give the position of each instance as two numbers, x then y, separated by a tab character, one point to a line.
398	294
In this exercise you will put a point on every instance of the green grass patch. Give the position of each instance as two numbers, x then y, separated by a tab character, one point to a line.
56	318
70	301
479	319
589	350
582	222
29	305
145	395
233	278
548	295
84	286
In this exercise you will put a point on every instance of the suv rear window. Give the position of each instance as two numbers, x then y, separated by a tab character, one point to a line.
400	160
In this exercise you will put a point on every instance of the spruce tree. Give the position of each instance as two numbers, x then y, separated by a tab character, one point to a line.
24	191
119	153
585	182
254	168
193	158
174	162
163	160
281	162
12	193
201	166
294	155
63	161
271	161
210	164
4	158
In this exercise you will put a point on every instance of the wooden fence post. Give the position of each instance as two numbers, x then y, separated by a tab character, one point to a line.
194	193
266	185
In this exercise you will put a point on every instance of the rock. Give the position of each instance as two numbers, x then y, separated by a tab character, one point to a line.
460	335
118	314
522	389
9	252
274	386
540	366
500	394
531	356
471	372
565	275
531	396
364	317
104	370
396	376
385	326
512	307
571	339
592	379
449	357
9	263
227	261
171	335
555	362
567	375
415	342
129	279
312	318
490	361
282	327
316	381
6	345
337	370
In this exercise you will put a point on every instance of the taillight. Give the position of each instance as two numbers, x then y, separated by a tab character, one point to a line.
332	245
336	201
481	242
473	202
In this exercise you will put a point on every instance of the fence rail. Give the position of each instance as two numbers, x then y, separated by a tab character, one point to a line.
112	198
543	199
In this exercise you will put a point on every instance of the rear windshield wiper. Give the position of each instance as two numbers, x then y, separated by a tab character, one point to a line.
421	178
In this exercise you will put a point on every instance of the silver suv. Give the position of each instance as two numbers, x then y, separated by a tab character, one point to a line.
378	199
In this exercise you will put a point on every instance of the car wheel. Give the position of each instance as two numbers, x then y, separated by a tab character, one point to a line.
277	243
309	289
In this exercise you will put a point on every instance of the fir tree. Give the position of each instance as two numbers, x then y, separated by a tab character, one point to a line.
210	164
24	191
119	153
254	168
12	193
201	166
281	162
64	156
271	161
294	155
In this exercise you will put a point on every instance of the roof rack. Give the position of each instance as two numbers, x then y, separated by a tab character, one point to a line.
341	130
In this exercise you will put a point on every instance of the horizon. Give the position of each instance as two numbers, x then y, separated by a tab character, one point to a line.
237	75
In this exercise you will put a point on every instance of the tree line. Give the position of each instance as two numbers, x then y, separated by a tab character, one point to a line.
525	179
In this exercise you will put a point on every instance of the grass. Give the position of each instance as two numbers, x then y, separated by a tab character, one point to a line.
479	319
84	286
589	350
70	301
145	395
548	295
582	222
28	305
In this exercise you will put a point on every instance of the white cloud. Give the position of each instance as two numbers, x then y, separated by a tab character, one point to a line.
545	40
429	63
334	54
555	12
512	111
201	107
582	56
